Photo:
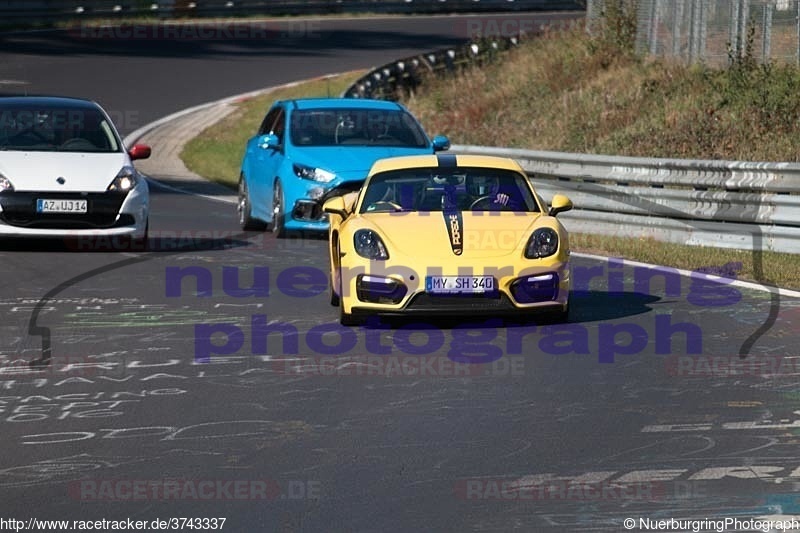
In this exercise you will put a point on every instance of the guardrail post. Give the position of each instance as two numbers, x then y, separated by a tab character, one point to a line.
766	41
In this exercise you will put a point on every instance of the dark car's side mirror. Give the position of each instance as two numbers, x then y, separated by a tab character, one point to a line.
139	151
559	204
269	142
441	143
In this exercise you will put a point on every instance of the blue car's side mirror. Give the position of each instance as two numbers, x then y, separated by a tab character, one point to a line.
441	143
269	142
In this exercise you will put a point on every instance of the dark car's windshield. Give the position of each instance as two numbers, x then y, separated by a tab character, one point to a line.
354	127
55	129
437	189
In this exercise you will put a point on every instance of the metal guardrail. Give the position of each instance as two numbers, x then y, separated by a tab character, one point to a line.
30	12
399	78
728	204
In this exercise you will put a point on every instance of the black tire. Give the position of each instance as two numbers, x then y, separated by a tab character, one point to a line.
335	300
141	244
560	316
246	220
278	211
348	319
128	243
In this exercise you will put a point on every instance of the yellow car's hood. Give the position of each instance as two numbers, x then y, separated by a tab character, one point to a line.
464	234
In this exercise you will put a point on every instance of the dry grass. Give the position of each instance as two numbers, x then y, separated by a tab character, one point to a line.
560	93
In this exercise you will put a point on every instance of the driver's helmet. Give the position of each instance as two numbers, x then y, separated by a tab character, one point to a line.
478	185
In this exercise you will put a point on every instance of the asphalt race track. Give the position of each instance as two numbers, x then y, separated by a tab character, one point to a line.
233	393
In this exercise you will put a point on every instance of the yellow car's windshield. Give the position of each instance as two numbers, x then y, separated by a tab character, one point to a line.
452	189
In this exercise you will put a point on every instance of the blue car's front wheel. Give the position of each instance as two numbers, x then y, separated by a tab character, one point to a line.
278	211
246	221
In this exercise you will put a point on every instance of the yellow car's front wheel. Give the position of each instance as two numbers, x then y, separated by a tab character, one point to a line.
335	300
348	319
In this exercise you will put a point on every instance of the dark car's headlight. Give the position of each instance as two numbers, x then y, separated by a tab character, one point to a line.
125	180
313	173
543	243
369	245
5	184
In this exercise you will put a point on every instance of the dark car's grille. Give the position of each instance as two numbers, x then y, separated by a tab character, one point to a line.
19	209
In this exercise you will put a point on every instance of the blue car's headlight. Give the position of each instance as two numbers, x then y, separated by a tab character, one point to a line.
313	173
369	245
543	243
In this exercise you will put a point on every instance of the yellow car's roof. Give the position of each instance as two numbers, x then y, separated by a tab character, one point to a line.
435	160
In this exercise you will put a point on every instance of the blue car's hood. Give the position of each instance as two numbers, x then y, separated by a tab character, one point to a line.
351	162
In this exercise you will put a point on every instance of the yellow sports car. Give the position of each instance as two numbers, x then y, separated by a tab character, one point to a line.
449	235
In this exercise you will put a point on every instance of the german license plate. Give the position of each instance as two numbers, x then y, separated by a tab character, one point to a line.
61	206
459	284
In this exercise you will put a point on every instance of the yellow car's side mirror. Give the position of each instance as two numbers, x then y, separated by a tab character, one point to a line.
335	206
559	204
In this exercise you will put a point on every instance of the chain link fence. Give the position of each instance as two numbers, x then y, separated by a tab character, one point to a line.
714	32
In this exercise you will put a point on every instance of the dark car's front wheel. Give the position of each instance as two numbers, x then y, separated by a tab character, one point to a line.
246	220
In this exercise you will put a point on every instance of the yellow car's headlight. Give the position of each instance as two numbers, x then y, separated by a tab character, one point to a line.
543	243
369	245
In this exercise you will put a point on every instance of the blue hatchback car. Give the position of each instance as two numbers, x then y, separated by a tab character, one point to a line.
306	147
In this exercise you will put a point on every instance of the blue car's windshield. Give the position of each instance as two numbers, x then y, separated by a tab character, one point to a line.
459	189
355	127
55	129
